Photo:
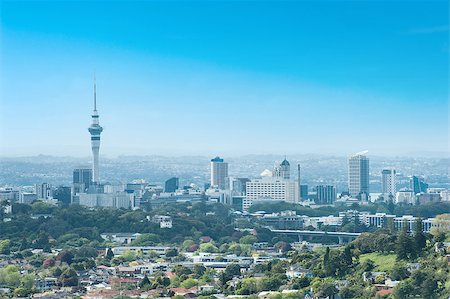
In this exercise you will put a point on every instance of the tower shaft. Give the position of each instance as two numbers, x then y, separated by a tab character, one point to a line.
95	130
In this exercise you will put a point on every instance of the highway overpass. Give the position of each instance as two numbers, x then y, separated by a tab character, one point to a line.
343	237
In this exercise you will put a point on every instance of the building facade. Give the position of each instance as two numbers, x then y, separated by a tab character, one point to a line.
388	182
271	189
325	194
171	185
219	173
358	175
82	179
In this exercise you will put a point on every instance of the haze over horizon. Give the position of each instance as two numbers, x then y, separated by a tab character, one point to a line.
279	78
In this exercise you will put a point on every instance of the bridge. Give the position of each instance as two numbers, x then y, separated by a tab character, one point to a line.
343	237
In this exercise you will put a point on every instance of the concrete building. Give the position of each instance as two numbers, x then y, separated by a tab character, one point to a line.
82	179
326	195
405	196
108	200
43	191
424	198
27	197
283	220
238	186
271	189
219	173
378	220
358	175
162	220
388	183
9	194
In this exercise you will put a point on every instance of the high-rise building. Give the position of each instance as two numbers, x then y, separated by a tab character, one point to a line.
82	179
43	191
171	185
219	173
418	185
358	175
299	182
388	182
325	194
304	192
283	170
95	130
238	186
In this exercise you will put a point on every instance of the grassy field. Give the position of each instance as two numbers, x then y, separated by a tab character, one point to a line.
383	262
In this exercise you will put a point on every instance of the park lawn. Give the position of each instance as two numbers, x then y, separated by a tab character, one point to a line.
383	262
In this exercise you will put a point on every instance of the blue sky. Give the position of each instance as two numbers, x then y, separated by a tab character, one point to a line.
225	78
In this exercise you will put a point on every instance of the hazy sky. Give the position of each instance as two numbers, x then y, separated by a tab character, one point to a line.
225	77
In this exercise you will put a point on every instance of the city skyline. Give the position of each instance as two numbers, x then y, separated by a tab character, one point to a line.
178	91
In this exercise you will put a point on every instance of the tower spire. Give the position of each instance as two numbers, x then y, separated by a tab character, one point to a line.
95	94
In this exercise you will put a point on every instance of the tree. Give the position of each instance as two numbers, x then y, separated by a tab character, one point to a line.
172	252
146	240
208	247
301	282
231	271
247	286
198	271
249	239
109	254
404	244
69	278
189	283
420	240
65	256
42	240
326	288
283	246
347	256
404	289
429	287
145	282
399	271
326	262
50	262
5	246
441	224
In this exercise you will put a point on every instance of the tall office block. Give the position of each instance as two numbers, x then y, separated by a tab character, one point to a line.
95	130
304	192
358	175
238	186
388	182
171	185
325	194
219	173
43	191
418	185
82	179
283	170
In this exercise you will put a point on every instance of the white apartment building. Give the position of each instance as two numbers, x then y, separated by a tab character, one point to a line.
388	182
